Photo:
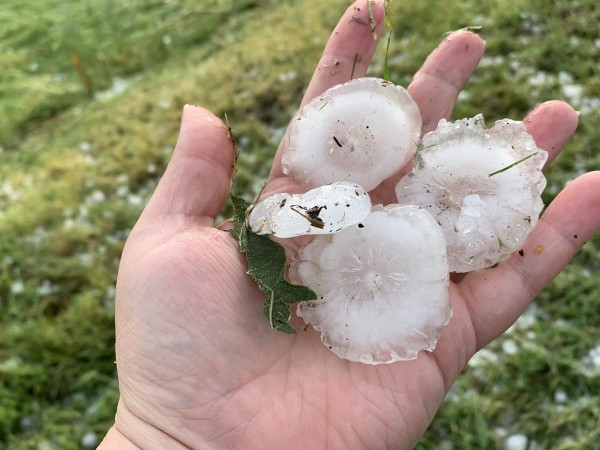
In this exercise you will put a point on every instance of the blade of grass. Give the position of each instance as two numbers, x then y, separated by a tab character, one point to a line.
388	26
512	165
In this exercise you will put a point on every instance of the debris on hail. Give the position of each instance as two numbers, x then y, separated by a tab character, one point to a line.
362	131
322	210
382	286
483	186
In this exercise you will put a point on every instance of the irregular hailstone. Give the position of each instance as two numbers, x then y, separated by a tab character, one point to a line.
382	286
362	131
482	186
323	210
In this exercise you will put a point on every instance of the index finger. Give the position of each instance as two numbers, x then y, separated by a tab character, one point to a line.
347	54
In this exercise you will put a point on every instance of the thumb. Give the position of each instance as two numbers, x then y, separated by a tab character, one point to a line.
197	179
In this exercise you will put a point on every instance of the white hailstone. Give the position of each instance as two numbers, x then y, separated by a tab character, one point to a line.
46	288
362	131
591	362
323	210
135	200
89	440
96	197
516	442
560	396
382	286
17	287
483	186
510	347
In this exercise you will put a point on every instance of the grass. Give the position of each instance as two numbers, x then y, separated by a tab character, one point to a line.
90	98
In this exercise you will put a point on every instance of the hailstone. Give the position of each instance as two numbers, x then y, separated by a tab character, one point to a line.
382	285
323	210
483	186
381	274
362	131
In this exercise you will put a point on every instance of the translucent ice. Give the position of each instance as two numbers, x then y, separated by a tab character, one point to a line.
382	286
483	186
323	210
362	131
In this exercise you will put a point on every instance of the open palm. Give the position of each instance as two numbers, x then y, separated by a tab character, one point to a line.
199	367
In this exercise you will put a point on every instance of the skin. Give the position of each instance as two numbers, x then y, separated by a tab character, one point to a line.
199	367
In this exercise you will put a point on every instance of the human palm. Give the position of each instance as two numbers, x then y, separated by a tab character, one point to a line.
198	365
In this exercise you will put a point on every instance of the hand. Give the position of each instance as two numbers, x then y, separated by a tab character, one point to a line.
199	367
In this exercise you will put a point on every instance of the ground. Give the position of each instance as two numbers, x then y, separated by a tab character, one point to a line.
90	100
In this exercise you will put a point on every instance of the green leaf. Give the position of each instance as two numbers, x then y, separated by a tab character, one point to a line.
240	206
278	315
267	266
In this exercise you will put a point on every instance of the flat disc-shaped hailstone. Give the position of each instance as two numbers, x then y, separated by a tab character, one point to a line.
322	210
483	186
362	131
382	286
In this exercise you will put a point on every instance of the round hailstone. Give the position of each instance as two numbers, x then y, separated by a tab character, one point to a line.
382	286
362	131
323	210
482	186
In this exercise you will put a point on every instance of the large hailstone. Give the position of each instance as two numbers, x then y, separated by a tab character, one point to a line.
382	286
322	210
482	186
362	131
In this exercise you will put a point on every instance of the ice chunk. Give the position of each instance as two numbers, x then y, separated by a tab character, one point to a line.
362	131
323	210
483	186
382	286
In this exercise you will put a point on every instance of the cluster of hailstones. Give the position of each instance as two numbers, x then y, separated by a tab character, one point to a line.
381	273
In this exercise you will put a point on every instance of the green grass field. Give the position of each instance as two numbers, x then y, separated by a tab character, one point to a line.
90	99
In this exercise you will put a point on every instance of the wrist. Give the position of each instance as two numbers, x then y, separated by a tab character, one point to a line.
131	432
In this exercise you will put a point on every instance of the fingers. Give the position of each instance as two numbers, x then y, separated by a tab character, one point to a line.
552	124
498	296
350	48
435	88
438	82
197	180
346	56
